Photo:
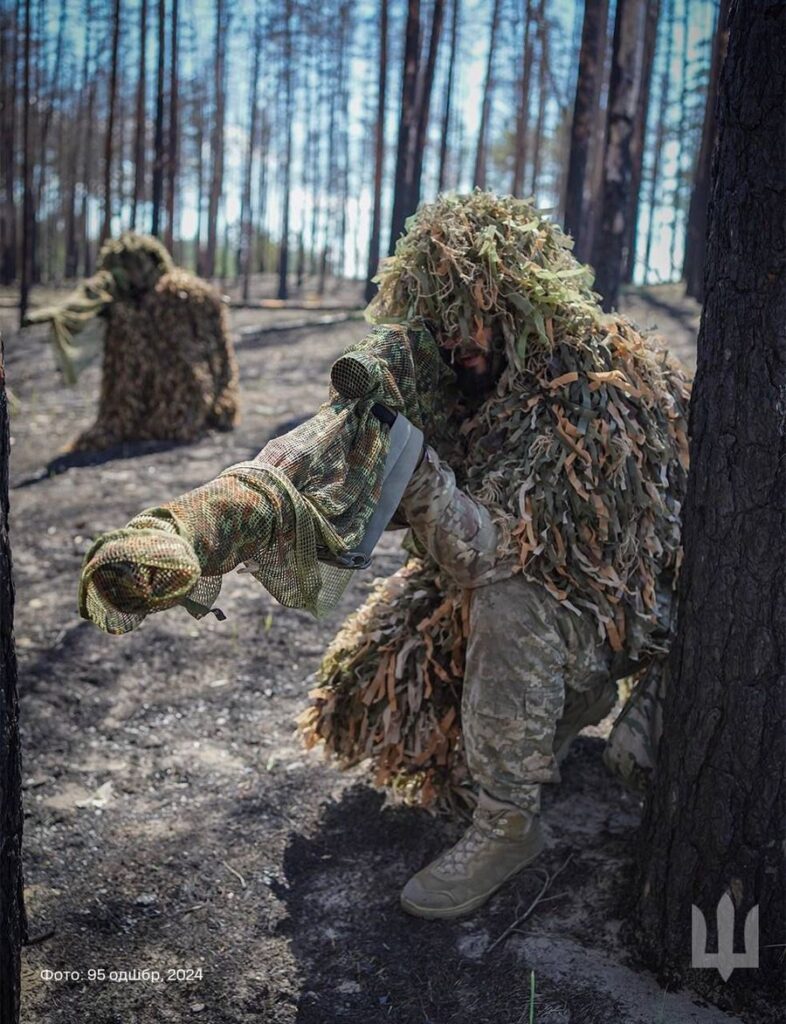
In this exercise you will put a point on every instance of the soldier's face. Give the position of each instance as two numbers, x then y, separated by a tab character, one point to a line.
474	375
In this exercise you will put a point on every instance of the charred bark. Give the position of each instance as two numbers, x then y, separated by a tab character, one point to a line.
13	924
716	818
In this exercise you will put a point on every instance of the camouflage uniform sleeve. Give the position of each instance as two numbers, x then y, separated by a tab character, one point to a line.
456	530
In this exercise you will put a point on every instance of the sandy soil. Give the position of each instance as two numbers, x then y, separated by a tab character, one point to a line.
174	821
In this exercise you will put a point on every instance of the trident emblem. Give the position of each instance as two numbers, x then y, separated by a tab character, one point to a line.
726	960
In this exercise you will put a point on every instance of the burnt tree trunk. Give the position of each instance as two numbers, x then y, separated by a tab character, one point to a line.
624	88
13	925
714	821
585	114
696	233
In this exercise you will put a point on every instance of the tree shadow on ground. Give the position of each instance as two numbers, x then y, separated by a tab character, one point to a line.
364	959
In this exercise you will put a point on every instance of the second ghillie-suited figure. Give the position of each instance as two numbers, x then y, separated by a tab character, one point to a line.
571	452
169	369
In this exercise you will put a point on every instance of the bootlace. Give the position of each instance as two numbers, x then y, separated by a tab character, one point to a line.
484	825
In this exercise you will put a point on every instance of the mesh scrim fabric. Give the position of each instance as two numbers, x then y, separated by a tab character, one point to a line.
307	496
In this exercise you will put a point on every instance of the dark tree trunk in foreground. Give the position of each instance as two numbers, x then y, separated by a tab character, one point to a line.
624	89
696	233
13	926
379	152
716	818
585	114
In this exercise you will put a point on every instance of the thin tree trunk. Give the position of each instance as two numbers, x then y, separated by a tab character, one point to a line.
139	131
172	147
660	135
379	151
522	107
696	234
639	134
106	228
87	140
402	190
624	89
714	822
8	229
425	86
585	117
542	96
158	139
246	216
28	214
682	135
262	235
479	175
443	145
283	253
217	143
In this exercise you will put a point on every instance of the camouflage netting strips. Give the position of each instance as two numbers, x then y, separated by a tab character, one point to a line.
169	370
580	453
307	497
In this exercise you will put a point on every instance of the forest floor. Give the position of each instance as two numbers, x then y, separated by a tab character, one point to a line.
174	821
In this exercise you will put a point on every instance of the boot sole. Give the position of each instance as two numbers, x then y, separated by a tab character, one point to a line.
434	913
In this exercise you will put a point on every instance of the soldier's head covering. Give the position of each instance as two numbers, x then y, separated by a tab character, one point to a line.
486	273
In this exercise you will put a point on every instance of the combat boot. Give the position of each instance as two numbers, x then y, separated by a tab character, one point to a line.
501	840
582	709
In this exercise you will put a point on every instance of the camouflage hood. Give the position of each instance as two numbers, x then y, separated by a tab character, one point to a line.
580	451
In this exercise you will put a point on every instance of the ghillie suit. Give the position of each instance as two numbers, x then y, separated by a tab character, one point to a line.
290	514
169	370
579	455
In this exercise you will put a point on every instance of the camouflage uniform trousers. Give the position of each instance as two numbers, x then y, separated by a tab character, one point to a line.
530	659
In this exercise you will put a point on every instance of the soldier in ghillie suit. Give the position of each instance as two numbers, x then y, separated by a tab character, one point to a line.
544	533
169	370
548	538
